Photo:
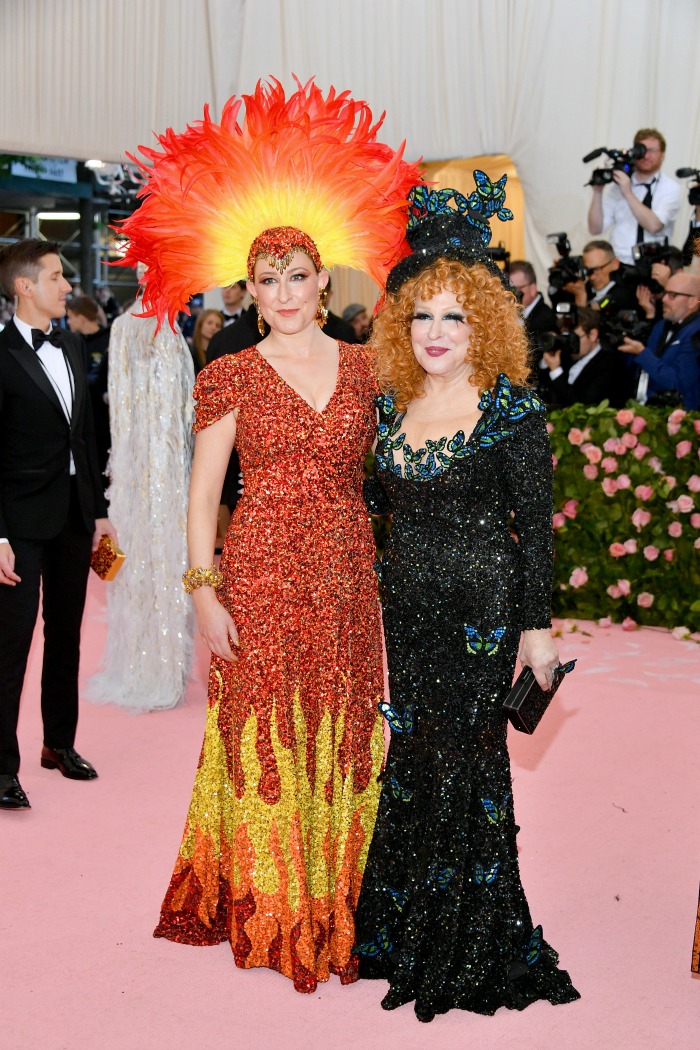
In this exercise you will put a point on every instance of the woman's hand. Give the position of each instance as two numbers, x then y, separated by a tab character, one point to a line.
539	652
215	625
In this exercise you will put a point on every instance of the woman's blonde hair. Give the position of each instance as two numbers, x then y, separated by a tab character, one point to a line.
498	342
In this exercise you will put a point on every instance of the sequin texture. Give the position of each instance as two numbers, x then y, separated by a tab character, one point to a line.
442	913
286	791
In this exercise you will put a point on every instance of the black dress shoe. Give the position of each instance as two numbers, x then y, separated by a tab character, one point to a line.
11	794
68	762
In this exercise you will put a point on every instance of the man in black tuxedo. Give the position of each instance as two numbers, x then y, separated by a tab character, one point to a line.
52	509
594	374
538	317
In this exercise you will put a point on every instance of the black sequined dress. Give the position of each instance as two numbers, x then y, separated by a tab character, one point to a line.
442	913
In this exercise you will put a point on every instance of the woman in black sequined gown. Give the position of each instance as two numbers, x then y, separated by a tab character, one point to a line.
442	914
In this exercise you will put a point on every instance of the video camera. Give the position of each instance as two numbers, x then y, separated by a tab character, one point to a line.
622	160
567	268
616	327
694	191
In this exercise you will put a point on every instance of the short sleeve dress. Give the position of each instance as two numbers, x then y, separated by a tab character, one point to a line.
286	791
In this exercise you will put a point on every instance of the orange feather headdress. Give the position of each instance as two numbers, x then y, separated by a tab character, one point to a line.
306	161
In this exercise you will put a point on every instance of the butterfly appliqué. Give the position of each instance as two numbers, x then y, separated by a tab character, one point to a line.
402	794
397	722
398	898
485	876
440	877
478	643
381	945
494	813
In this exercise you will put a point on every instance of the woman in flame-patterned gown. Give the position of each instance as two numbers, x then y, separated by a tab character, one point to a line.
286	791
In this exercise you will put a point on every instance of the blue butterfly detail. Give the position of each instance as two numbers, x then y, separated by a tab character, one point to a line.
534	947
489	197
440	877
398	898
403	794
478	643
385	403
485	876
398	723
568	666
379	946
495	813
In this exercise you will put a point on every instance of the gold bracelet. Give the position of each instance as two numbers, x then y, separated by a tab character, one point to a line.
194	578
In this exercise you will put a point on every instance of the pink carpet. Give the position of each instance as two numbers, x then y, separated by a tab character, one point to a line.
607	797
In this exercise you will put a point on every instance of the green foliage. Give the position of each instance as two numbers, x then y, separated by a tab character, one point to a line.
647	460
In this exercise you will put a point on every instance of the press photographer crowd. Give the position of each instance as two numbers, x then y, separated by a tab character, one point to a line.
624	319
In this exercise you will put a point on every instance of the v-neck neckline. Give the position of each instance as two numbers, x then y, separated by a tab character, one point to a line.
295	392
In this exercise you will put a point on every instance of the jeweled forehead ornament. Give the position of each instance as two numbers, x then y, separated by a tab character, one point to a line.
279	246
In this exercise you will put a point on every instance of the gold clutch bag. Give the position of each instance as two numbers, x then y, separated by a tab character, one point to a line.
107	559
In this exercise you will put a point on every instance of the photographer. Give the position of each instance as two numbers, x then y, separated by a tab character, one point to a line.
591	374
654	278
537	316
668	366
607	285
637	208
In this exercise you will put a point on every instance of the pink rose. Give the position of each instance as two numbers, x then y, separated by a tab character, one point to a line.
550	428
683	448
695	521
590	472
694	483
614	591
624	587
558	521
651	552
645	600
638	424
555	462
677	415
623	481
609	464
610	445
620	449
569	508
675	529
624	417
605	621
609	486
644	492
578	577
593	454
640	451
669	480
640	518
696	426
575	436
617	550
630	546
655	464
630	440
628	624
686	504
696	544
669	554
680	633
672	505
673	428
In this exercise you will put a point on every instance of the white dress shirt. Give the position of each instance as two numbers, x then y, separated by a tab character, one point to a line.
617	214
54	362
577	367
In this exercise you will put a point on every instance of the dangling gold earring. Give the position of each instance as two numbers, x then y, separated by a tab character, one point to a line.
322	312
261	319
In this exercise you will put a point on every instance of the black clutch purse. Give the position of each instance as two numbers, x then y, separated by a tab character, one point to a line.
527	701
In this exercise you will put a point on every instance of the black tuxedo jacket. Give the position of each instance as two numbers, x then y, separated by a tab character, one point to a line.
601	378
36	441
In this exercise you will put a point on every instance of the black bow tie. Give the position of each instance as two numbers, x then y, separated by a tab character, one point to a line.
55	337
231	317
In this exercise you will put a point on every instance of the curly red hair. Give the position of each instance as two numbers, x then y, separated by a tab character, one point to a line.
498	342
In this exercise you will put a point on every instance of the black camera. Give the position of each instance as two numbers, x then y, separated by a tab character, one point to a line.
565	338
645	255
622	160
694	191
615	328
567	268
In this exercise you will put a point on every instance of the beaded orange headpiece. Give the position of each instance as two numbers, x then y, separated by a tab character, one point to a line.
279	246
309	162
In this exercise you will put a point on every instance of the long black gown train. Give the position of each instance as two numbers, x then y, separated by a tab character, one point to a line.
442	914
